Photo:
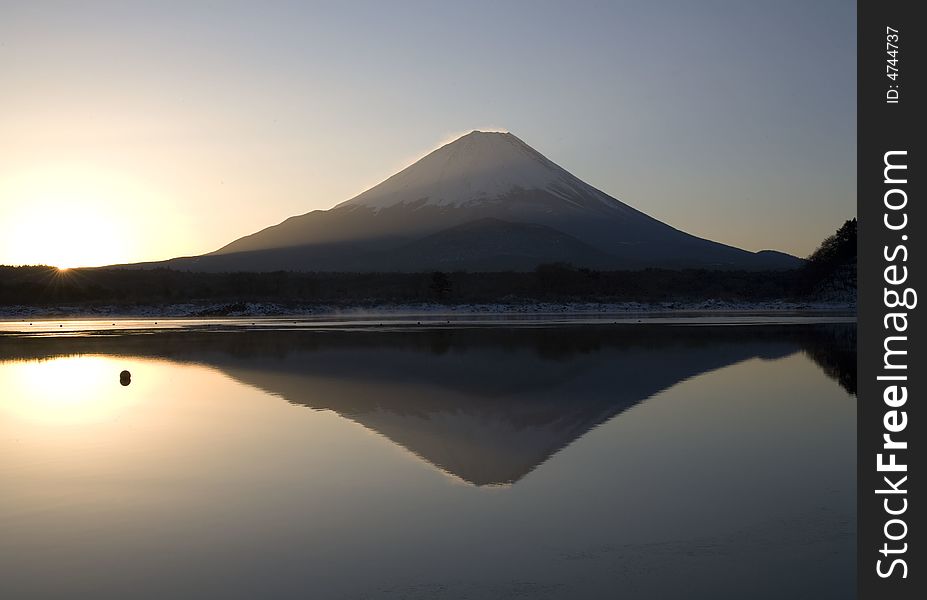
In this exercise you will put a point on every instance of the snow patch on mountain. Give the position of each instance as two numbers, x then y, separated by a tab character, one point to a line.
478	167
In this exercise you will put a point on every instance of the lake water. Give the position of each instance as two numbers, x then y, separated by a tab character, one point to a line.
570	461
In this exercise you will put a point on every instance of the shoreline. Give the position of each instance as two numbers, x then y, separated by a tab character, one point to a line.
112	321
529	309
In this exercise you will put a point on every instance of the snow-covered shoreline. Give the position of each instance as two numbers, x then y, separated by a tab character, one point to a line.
261	309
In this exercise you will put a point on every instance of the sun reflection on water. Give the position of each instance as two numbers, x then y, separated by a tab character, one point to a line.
74	390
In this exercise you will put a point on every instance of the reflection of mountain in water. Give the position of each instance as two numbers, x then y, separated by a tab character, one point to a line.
487	405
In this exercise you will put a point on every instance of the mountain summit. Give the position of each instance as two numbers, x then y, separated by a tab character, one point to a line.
488	202
478	167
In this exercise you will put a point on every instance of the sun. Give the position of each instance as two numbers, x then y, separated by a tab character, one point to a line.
66	221
66	235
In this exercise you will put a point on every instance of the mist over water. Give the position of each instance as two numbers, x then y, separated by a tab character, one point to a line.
545	462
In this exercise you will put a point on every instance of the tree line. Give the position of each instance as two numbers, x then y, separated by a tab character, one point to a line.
557	282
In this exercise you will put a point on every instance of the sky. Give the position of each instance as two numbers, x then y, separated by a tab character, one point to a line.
134	131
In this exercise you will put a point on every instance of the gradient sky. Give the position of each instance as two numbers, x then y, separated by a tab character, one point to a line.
145	130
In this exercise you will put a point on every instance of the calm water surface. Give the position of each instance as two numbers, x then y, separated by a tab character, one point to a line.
627	461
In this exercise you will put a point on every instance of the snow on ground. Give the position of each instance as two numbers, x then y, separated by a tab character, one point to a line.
258	309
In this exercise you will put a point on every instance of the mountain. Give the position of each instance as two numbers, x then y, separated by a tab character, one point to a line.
486	201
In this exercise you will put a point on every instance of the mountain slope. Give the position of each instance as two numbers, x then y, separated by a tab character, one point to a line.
489	245
479	178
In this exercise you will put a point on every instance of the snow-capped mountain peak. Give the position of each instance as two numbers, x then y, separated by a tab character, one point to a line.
477	167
